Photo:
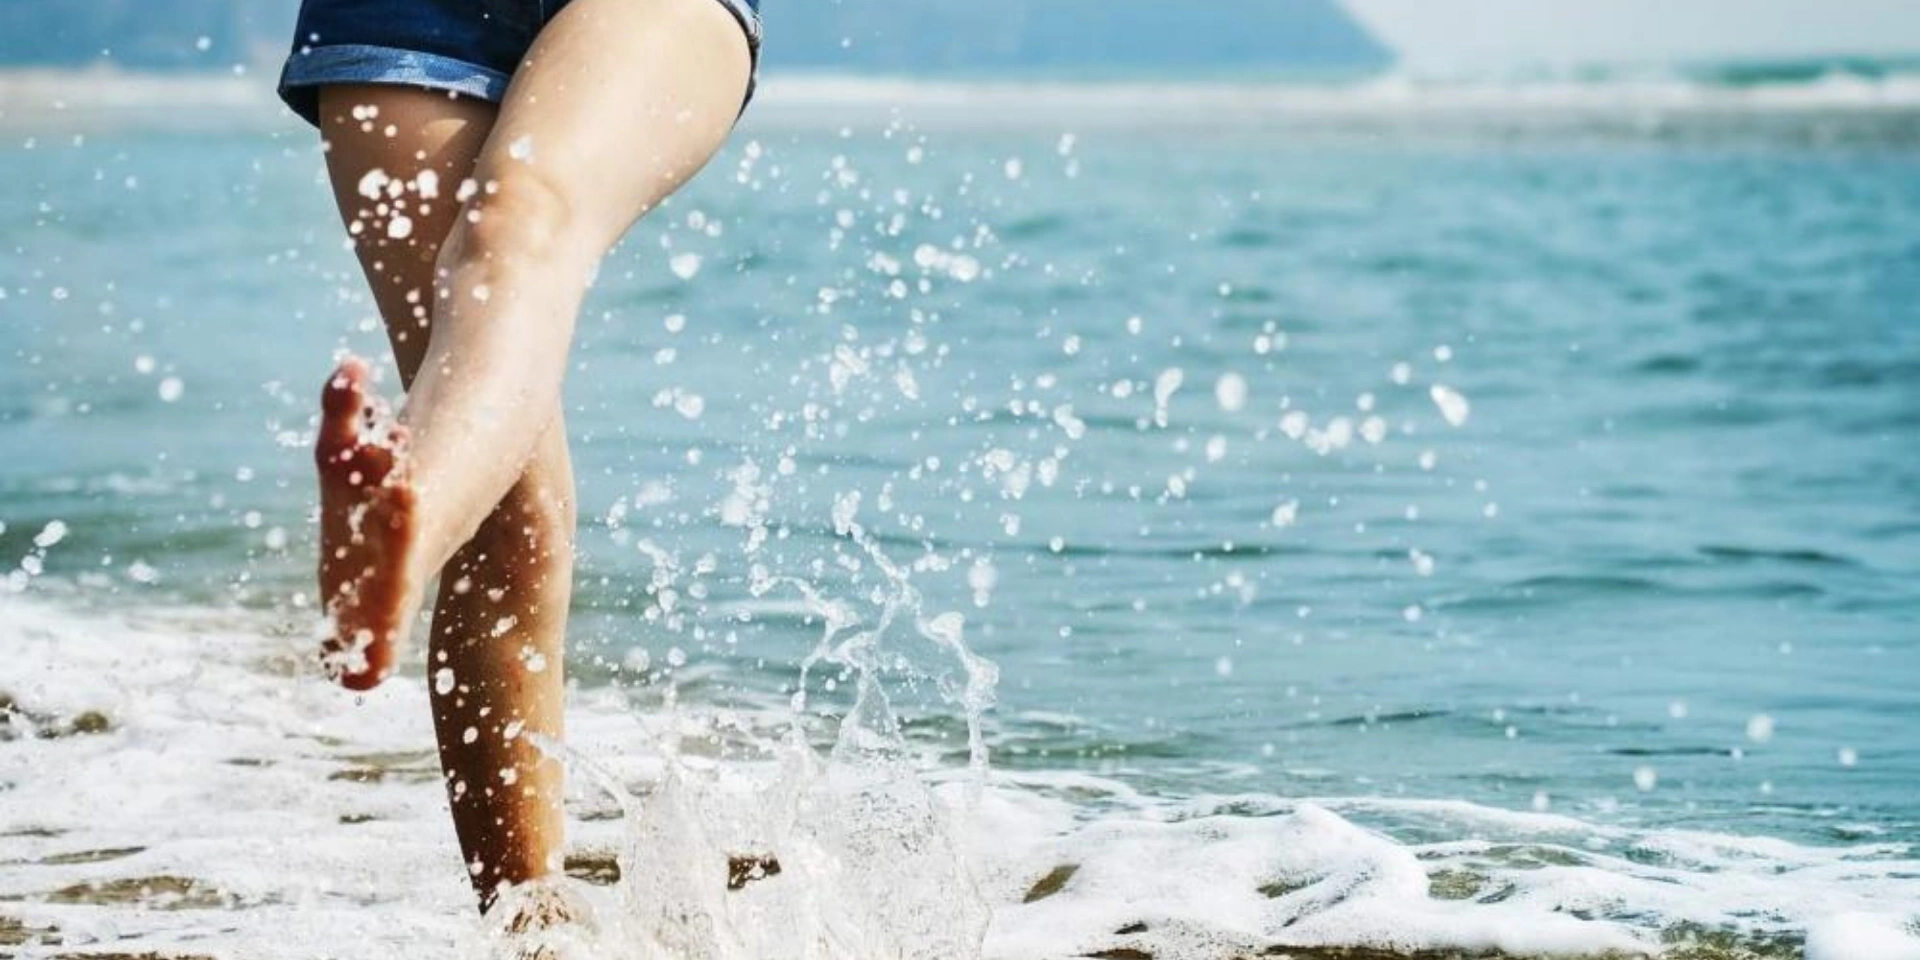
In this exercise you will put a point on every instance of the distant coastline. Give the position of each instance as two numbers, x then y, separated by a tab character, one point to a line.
856	35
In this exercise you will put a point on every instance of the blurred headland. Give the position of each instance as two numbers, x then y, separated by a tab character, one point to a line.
944	37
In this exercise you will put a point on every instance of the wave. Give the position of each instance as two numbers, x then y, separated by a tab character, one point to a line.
1397	93
41	97
1787	72
1813	84
1843	85
175	779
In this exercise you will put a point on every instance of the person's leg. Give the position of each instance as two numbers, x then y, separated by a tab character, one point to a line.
619	102
516	570
496	666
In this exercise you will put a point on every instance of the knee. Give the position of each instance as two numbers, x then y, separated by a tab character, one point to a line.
532	515
522	215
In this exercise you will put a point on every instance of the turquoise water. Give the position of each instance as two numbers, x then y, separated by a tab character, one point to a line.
1661	574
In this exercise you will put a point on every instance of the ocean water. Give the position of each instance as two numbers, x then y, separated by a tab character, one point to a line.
1198	522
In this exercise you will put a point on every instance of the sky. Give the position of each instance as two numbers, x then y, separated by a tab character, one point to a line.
1475	32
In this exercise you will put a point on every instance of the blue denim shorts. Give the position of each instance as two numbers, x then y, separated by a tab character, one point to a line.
468	47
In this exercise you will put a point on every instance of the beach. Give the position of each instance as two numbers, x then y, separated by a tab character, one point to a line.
1409	520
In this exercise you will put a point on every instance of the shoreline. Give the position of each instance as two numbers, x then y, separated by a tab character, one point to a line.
285	802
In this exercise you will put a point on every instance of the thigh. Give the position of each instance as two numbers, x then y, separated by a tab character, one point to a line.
397	157
617	104
465	47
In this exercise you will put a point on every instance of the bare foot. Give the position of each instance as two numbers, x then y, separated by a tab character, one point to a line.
542	919
366	530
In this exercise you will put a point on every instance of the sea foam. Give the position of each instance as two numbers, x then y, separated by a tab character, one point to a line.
95	98
179	779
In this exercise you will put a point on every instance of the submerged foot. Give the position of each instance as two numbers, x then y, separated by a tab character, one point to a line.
542	920
366	530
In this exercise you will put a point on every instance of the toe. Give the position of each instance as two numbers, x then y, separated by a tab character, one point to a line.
399	442
369	465
341	403
372	462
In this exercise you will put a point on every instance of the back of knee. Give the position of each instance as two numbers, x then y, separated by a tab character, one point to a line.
524	214
533	511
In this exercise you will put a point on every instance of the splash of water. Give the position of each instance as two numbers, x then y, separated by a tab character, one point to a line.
803	853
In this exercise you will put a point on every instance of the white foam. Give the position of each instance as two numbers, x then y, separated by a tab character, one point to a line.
43	97
1863	936
104	96
1395	95
225	761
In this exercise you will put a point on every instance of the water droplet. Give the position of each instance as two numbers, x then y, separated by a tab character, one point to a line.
374	183
1285	514
1452	405
54	532
1231	392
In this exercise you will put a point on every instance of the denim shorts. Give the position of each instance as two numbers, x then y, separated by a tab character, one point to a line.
468	47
